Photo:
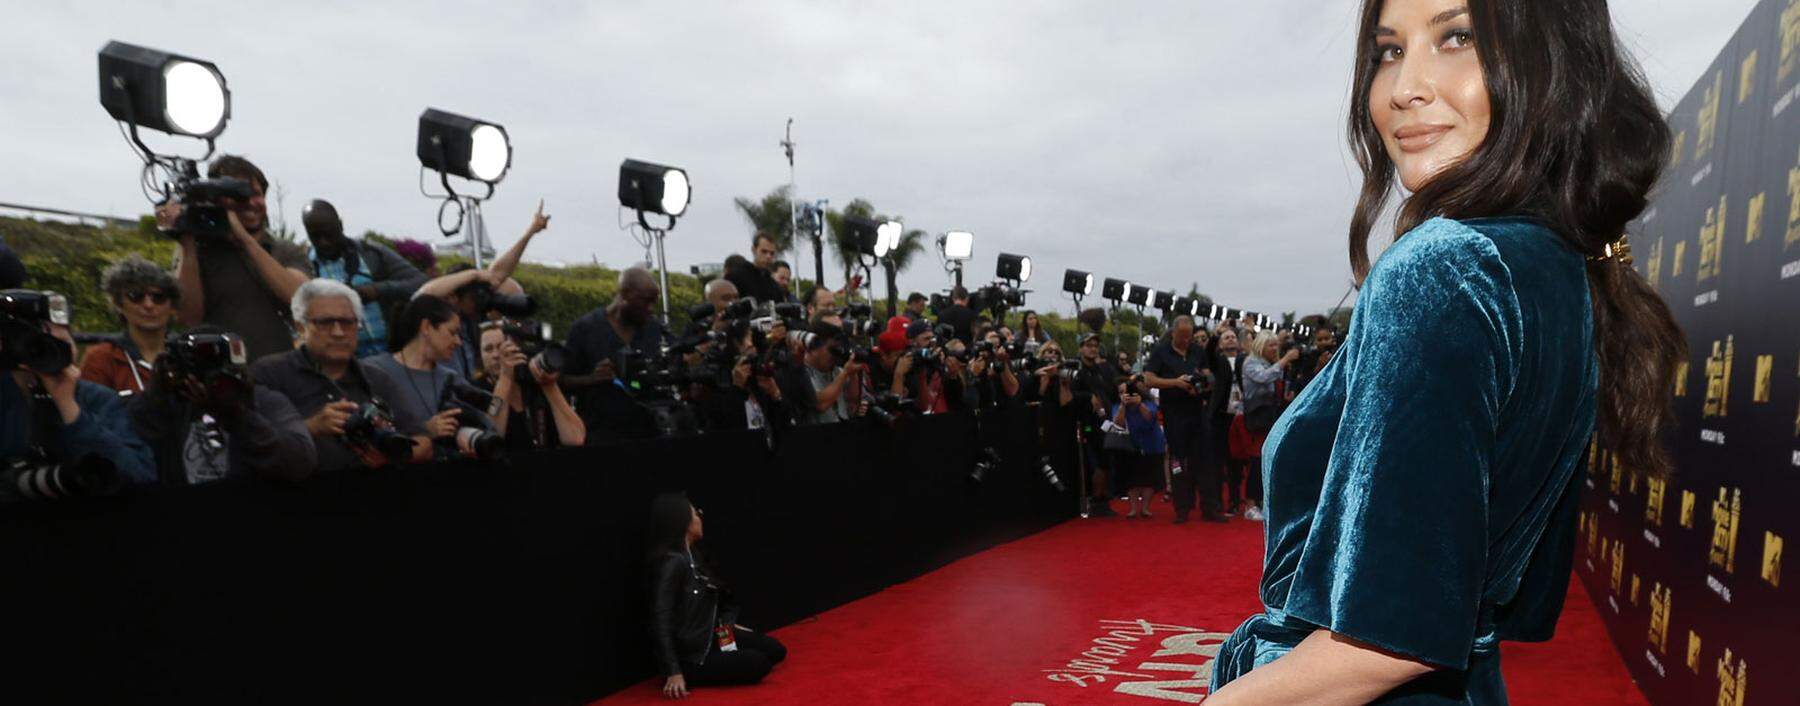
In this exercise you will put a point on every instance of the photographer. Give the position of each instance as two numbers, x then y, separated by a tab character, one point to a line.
784	278
144	296
49	416
1179	368
758	278
823	391
240	280
594	346
915	307
1141	466
1095	394
378	274
425	336
958	315
341	397
1314	357
925	374
753	400
510	375
206	420
483	294
991	373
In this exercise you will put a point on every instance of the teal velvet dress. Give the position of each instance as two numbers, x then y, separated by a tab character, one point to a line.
1422	491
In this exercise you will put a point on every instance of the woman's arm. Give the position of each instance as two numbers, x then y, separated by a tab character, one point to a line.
1325	669
570	430
1262	373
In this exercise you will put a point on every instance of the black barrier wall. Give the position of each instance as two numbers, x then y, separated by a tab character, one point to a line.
1688	572
463	583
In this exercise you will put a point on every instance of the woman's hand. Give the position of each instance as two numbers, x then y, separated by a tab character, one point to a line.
675	687
442	425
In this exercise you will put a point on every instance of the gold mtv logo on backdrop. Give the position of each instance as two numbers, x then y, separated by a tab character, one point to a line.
1634	589
1688	500
1718	379
1771	565
1678	150
1654	263
1747	77
1659	617
1753	231
1793	219
1618	565
1765	371
1680	257
1708	121
1734	680
1790	40
1653	501
1613	467
1725	515
1712	241
1693	660
1593	536
1681	377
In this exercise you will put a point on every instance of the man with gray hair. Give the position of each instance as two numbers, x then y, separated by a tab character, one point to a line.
596	345
323	378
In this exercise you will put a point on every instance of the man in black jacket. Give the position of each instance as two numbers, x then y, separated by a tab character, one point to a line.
959	316
758	280
1178	366
205	423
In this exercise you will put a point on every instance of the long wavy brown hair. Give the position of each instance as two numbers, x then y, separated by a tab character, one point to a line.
1575	140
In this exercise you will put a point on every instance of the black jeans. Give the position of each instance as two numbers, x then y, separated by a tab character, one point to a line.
1188	439
1247	473
756	654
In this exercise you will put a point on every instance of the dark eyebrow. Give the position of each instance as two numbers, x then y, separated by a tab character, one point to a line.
1437	19
1448	15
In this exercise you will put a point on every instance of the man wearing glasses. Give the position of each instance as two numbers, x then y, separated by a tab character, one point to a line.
323	378
144	296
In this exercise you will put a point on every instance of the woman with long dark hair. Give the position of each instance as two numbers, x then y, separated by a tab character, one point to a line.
1422	491
423	338
693	621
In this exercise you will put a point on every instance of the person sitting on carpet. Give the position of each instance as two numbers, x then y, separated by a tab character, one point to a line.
693	618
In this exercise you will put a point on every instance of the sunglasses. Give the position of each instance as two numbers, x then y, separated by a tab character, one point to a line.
156	296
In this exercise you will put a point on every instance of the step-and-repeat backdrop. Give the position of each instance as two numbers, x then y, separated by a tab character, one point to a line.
1688	571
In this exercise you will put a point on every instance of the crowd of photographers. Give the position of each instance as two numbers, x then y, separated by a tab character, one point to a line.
252	355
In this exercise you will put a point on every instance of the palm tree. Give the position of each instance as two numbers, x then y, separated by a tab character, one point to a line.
772	215
843	244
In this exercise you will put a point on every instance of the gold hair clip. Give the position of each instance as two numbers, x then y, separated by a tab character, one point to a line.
1619	249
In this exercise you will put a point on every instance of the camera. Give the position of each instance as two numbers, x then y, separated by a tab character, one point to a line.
468	402
371	428
985	461
25	340
35	477
997	298
203	211
1047	471
888	407
206	367
535	342
487	301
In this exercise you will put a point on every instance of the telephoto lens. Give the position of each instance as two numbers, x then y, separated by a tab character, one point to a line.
1048	471
484	445
35	479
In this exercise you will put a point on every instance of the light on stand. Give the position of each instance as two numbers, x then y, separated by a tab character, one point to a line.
1013	267
1078	283
461	146
877	239
646	187
161	91
1115	290
957	245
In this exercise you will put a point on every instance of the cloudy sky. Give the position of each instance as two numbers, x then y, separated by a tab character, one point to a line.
1164	142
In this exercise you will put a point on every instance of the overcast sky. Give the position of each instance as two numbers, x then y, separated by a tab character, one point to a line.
1166	142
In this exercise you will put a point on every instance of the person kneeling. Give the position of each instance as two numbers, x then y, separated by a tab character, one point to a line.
693	623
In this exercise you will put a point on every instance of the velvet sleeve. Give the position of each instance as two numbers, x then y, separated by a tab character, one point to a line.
1397	553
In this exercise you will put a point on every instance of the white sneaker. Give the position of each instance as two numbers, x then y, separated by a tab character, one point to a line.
1254	514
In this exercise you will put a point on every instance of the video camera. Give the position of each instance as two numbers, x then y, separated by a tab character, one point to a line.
996	298
203	208
206	368
487	301
25	338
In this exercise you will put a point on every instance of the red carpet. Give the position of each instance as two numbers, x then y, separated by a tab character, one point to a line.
1019	624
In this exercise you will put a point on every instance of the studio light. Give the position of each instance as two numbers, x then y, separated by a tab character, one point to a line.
1115	290
1165	301
653	188
1013	267
1078	282
873	237
462	146
1140	296
166	92
957	245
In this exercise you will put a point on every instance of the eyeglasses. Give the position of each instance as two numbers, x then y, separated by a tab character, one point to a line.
332	323
156	296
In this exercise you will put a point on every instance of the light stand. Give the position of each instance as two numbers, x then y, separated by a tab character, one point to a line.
787	146
662	258
655	188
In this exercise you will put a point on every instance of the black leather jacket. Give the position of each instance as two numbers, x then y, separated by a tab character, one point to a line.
685	606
